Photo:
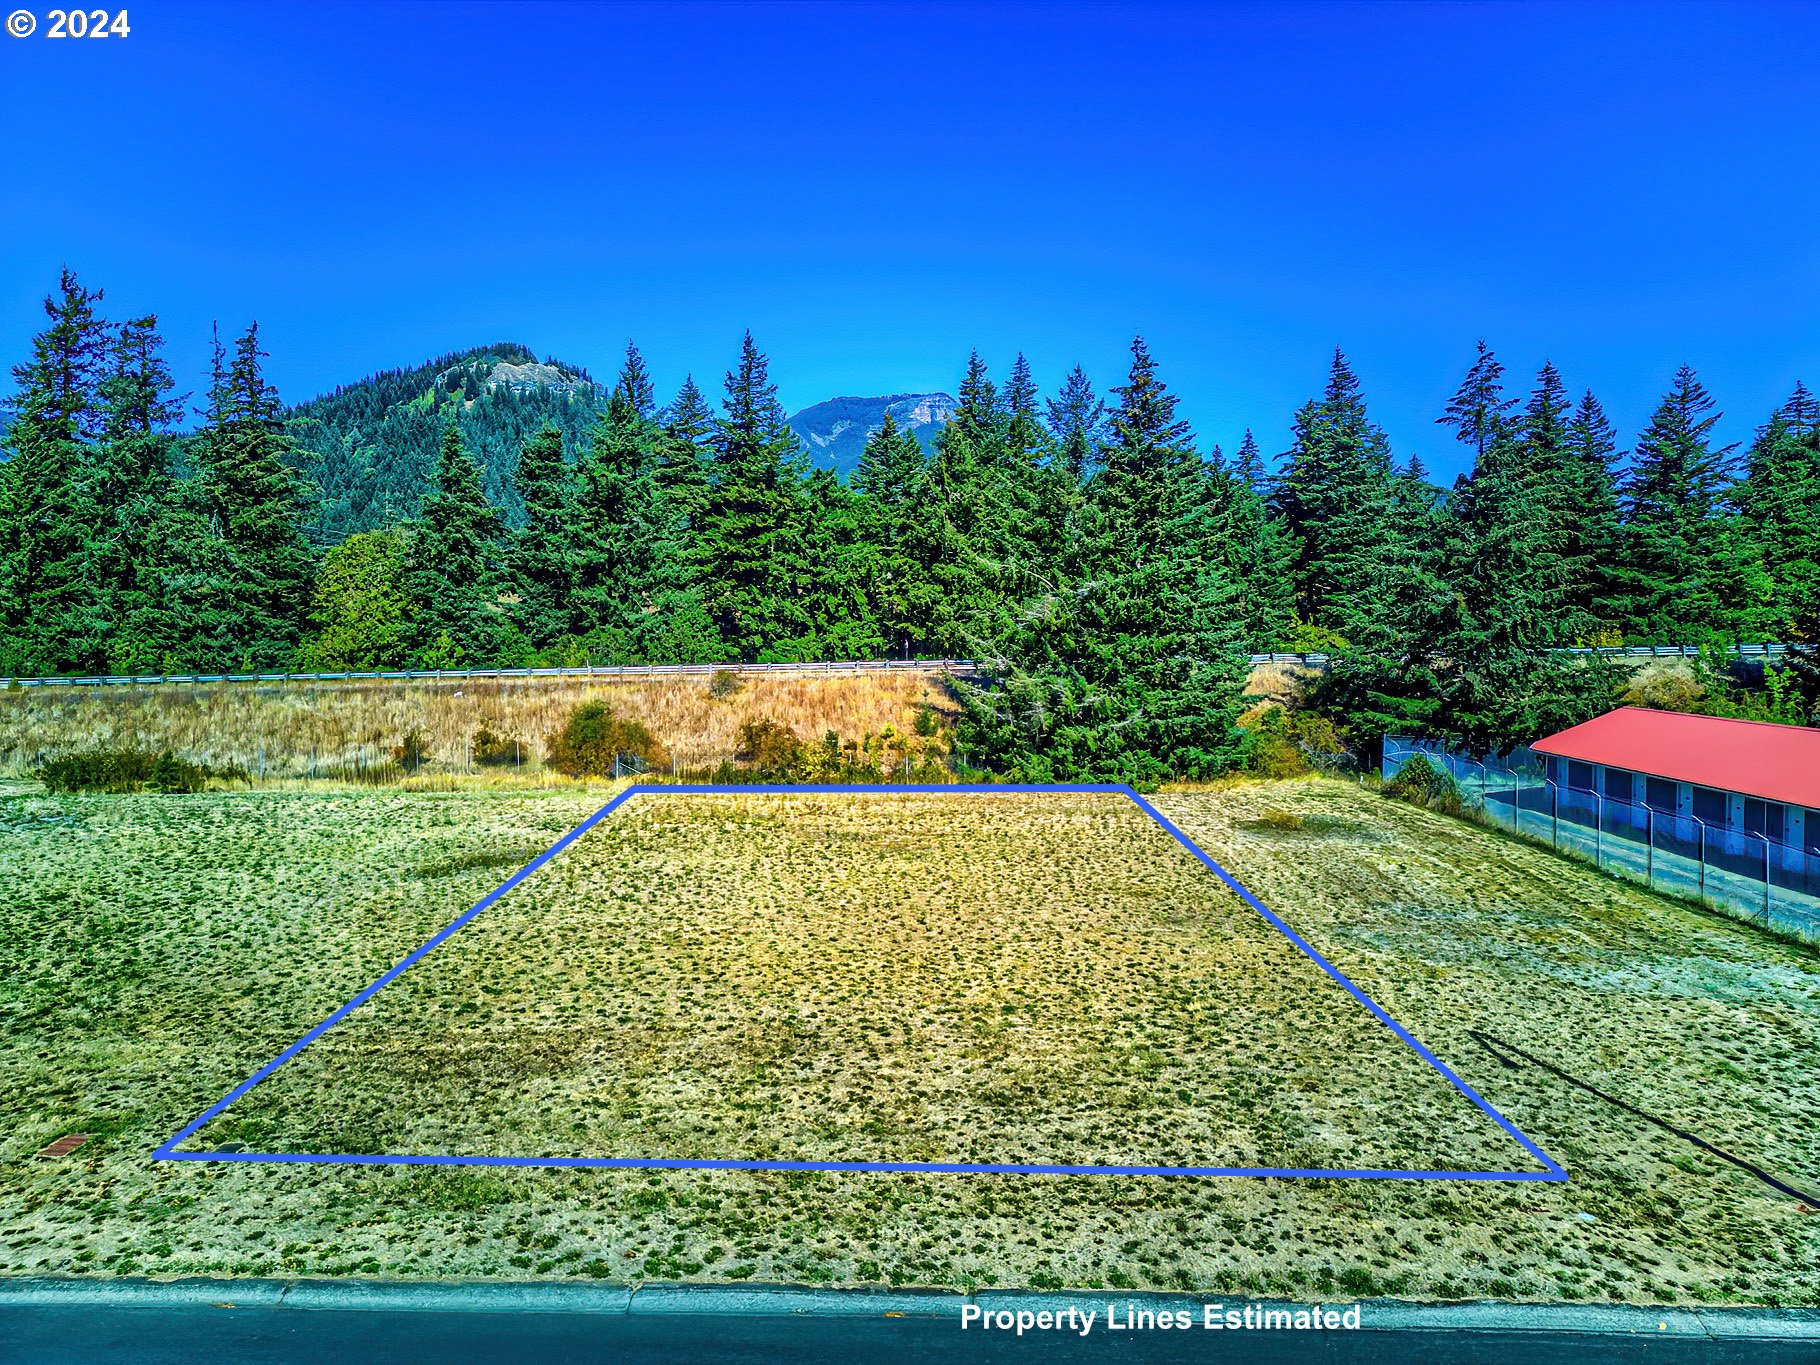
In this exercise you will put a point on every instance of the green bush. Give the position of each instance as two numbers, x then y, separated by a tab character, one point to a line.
496	751
1420	783
413	752
772	748
723	684
593	737
122	771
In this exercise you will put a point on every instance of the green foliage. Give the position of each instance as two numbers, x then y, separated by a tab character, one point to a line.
1420	783
126	770
1283	743
496	751
412	752
592	739
360	608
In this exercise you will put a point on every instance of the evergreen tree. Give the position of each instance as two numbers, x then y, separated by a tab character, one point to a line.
1077	426
1025	440
1780	500
453	565
1248	465
894	520
539	550
1477	411
52	617
683	454
257	507
615	529
1594	540
975	566
1131	670
134	488
1689	574
749	546
1334	494
838	558
635	385
1254	547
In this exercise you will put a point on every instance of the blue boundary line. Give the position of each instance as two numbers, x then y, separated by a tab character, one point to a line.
167	1151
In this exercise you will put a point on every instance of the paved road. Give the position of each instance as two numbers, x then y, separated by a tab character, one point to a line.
188	1336
449	1325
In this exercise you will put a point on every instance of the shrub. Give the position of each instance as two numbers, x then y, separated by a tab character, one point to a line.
121	771
173	775
1420	783
413	752
774	749
723	684
593	738
495	751
928	724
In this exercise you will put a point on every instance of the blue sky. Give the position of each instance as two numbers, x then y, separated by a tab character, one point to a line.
874	190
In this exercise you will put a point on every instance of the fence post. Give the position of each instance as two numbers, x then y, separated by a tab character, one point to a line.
1554	810
1766	882
1649	845
1598	834
1698	821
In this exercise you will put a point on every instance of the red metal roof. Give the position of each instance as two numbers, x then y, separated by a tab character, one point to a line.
1775	762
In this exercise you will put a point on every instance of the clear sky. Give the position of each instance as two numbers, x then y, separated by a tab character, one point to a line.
875	189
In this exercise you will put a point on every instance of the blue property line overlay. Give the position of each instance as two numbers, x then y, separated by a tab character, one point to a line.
167	1152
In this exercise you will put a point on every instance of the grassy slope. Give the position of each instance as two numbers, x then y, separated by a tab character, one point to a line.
293	729
172	946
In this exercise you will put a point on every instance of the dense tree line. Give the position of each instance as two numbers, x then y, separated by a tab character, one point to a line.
1111	573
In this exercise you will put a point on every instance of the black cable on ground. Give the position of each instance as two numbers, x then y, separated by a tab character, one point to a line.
1497	1047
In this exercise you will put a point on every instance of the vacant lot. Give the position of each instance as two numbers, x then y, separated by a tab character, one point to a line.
162	949
983	979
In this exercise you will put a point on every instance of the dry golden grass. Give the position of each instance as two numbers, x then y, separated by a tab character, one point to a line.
1285	684
300	729
976	978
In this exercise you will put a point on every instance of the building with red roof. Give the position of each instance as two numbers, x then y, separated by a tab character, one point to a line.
1744	775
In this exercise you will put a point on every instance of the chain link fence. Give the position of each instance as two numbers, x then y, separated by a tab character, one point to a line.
1744	874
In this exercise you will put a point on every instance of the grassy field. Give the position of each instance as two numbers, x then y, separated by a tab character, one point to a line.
1044	979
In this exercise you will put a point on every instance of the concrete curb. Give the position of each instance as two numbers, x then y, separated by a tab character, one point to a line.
1380	1315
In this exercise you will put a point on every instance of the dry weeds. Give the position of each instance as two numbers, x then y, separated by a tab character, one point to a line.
299	730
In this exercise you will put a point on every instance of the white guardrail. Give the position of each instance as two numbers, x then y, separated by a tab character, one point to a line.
957	667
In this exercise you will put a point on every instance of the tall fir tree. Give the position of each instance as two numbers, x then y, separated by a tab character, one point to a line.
52	616
453	572
1594	542
1132	669
749	547
1690	571
257	506
132	549
1780	501
892	480
616	529
1333	492
683	454
1077	426
539	549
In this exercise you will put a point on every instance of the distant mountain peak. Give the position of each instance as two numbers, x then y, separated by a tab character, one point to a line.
836	431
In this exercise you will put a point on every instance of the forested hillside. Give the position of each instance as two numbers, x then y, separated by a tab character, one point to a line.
1110	570
369	449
